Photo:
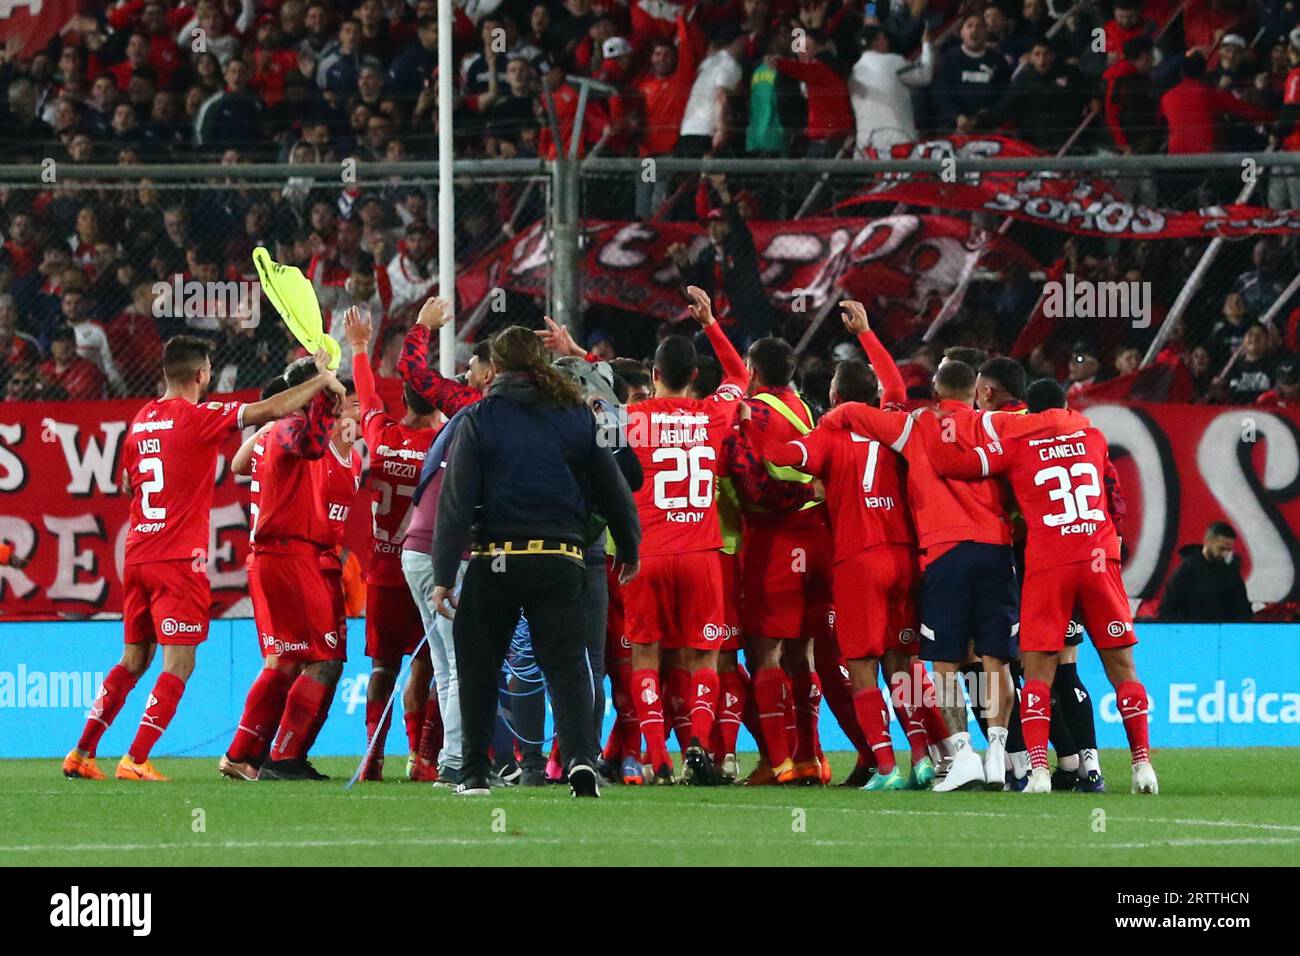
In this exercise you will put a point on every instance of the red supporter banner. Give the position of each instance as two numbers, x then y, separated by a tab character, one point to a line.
1075	204
34	21
902	267
1183	466
62	510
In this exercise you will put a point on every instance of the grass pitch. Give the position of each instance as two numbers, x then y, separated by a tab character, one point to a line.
1216	808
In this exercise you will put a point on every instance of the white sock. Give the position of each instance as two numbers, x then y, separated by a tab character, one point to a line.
1090	762
998	737
958	742
1020	763
1069	764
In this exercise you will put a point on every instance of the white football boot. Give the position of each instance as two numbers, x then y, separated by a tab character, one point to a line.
1144	778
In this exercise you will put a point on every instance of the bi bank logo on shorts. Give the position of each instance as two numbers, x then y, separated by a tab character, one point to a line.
171	627
75	909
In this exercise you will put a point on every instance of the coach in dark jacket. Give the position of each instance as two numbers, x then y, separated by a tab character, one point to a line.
1207	587
524	474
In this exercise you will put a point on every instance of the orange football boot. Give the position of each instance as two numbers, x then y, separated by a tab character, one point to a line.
784	772
808	772
128	769
77	767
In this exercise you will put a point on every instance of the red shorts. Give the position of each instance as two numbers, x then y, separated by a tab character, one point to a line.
261	613
393	623
165	602
304	607
1050	597
676	602
875	602
617	646
787	580
731	602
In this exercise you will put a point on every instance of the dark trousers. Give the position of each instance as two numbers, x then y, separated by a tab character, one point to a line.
547	589
595	611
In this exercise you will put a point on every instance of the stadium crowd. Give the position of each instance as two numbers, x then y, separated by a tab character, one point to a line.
139	83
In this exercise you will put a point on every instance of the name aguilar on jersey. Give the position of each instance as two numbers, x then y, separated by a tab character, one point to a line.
672	431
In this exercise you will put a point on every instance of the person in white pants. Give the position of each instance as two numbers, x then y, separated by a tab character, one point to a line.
417	565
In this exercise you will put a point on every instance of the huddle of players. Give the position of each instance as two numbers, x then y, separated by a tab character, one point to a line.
710	454
816	541
304	477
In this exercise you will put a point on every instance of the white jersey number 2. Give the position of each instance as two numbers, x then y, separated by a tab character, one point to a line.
1075	498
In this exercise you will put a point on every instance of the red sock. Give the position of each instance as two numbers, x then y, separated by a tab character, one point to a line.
704	704
413	721
262	710
374	709
1132	699
164	697
750	714
1036	719
680	698
838	691
731	695
650	712
927	704
625	735
787	704
873	716
769	697
298	726
322	713
917	739
112	695
431	732
807	699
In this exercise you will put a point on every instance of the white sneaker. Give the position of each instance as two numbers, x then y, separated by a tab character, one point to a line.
1040	781
1144	779
730	769
995	767
966	772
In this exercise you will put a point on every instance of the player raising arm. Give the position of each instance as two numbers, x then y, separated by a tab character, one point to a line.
169	466
1055	461
676	600
393	624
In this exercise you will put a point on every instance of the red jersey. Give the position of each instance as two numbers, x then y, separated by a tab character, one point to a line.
254	485
1291	96
945	511
170	460
396	455
679	444
783	500
865	486
306	487
1056	462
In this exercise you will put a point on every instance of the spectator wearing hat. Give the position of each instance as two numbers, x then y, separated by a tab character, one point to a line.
1207	587
413	271
664	90
1285	392
880	90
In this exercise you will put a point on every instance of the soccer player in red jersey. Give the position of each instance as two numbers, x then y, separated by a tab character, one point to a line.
676	600
169	466
393	623
1055	461
308	481
874	575
969	591
786	576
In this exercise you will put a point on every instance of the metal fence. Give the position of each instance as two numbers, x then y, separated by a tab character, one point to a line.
142	253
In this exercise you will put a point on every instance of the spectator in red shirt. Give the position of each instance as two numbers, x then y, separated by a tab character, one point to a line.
68	375
137	56
830	117
135	344
16	348
1193	109
664	89
1285	392
1127	24
1284	183
272	63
